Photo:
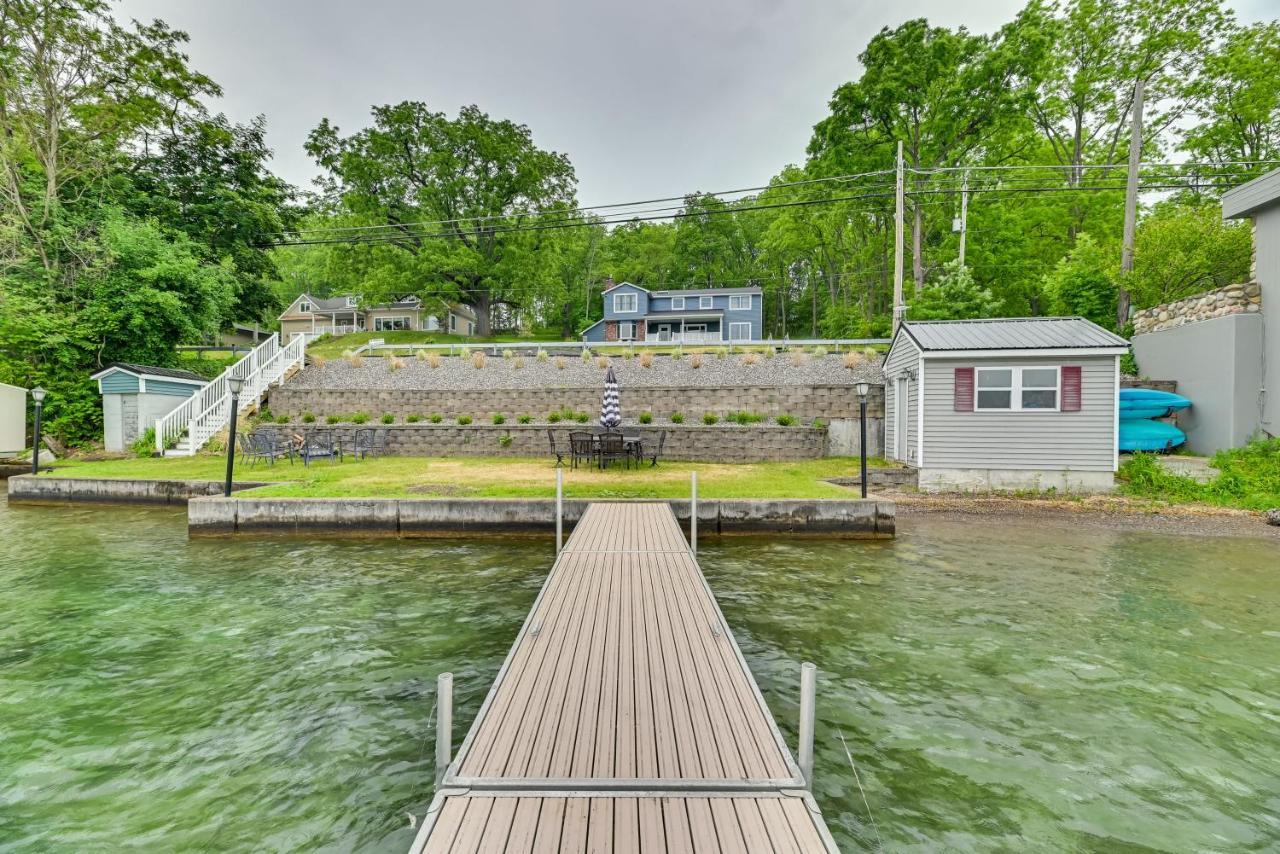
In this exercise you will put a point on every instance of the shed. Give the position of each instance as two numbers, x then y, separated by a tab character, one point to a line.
134	397
13	419
1009	403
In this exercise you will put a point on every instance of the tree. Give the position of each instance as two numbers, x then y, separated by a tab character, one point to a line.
1181	250
954	296
1083	283
473	178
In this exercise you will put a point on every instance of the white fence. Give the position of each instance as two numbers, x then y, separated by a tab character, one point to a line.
836	345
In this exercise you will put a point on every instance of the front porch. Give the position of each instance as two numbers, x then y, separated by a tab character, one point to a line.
685	330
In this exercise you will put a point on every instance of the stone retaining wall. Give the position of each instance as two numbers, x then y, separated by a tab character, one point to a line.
804	402
1233	299
27	489
721	443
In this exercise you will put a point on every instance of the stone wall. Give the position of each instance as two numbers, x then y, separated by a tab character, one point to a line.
804	402
1233	299
721	443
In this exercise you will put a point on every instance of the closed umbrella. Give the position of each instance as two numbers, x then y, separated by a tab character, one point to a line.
610	412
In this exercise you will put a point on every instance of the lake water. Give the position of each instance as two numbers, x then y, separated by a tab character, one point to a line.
1000	686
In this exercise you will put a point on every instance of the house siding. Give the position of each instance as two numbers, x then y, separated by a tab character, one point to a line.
904	356
119	382
414	315
1078	441
642	303
171	389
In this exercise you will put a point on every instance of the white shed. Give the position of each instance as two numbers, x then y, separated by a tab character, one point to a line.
1005	404
135	397
13	419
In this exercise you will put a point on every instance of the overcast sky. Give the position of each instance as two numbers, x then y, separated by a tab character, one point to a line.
648	99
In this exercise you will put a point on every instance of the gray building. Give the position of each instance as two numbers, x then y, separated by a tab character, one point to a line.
1021	403
13	419
135	397
695	316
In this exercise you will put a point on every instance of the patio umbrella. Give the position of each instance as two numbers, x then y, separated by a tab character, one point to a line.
610	412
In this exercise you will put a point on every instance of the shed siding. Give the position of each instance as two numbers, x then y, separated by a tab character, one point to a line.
1266	242
155	386
1080	441
904	357
119	382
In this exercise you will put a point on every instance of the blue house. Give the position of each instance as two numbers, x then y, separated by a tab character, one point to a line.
699	316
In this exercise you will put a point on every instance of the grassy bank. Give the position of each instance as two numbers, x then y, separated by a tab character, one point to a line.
332	347
1248	478
495	477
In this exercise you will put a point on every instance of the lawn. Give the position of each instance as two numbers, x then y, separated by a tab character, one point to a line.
332	347
1248	478
494	477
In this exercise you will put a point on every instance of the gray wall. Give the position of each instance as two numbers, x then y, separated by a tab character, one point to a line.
1079	441
1266	242
904	357
121	427
13	418
1218	364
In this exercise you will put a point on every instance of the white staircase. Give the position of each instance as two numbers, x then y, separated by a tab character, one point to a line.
202	415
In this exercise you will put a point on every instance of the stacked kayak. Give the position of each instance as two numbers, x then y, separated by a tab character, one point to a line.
1139	431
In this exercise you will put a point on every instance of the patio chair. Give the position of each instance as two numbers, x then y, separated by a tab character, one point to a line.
612	447
555	452
582	446
654	452
264	445
362	444
319	444
381	438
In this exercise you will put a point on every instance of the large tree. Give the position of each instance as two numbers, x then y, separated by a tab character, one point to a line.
472	179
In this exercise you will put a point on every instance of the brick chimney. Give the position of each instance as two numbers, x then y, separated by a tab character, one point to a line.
607	283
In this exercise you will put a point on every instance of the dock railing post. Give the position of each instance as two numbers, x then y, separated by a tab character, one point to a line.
808	690
559	509
693	512
444	723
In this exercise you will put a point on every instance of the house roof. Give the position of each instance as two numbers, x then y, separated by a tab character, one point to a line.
461	308
1249	198
151	371
328	305
1010	333
715	314
705	292
628	284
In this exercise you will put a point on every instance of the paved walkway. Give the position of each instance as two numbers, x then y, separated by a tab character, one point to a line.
624	718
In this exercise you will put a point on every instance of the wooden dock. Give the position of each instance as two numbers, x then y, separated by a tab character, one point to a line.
624	717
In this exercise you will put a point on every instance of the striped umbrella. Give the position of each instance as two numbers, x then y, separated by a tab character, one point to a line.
610	412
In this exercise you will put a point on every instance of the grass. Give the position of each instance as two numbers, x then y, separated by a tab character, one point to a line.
493	477
332	347
1248	479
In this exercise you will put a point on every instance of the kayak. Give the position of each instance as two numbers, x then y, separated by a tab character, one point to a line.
1141	411
1141	434
1150	398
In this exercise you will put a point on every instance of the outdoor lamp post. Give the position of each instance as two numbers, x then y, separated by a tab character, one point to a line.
235	384
37	395
863	389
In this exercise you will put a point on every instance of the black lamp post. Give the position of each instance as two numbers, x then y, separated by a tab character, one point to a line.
235	384
37	395
863	389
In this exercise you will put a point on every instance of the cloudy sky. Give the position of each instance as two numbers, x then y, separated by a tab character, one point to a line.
648	99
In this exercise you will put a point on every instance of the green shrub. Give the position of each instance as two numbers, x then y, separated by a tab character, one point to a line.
499	419
413	419
144	445
785	420
282	419
360	418
582	418
1248	478
505	441
677	418
464	420
709	418
646	417
819	423
553	418
525	419
437	418
308	418
331	419
388	418
264	414
745	417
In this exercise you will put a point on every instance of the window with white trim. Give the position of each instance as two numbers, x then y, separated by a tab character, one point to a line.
740	331
740	302
624	303
626	330
705	302
1016	389
677	303
351	302
390	324
304	306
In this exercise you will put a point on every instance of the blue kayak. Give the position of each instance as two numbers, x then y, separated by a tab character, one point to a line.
1140	411
1141	434
1150	397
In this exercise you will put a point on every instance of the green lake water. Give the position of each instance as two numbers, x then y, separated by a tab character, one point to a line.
1000	686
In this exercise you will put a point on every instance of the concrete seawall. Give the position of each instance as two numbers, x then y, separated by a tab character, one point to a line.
25	489
423	517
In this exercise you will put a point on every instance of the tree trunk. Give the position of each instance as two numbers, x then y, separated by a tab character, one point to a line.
482	304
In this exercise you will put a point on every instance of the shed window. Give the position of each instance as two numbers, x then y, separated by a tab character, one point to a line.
624	303
1039	388
1017	389
740	302
995	388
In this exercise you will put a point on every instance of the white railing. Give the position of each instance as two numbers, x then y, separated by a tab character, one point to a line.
692	338
205	413
532	345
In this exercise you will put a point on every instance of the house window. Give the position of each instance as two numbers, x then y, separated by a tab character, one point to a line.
304	307
677	303
351	302
1017	389
624	303
626	330
739	331
740	302
390	324
705	302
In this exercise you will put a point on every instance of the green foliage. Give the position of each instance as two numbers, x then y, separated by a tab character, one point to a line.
1129	365
332	419
582	418
745	417
308	418
553	418
360	418
145	445
413	419
505	440
954	296
388	418
437	418
710	418
1248	478
677	418
499	419
646	418
1183	249
282	419
1082	283
785	420
525	419
464	420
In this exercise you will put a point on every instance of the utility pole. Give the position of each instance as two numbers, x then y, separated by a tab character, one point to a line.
898	307
1130	206
964	213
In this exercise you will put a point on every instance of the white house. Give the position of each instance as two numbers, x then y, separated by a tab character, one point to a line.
1016	403
13	419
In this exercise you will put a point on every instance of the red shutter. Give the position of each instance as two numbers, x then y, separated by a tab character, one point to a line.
1070	388
964	390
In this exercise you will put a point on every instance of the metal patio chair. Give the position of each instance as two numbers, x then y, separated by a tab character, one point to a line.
612	447
582	446
555	452
320	444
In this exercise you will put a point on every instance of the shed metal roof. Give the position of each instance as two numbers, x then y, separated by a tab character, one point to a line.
152	371
1016	333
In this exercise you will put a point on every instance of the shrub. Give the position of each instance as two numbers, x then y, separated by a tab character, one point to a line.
331	419
798	357
710	418
360	418
308	418
542	355
394	364
750	358
525	419
871	354
316	361
852	359
420	355
602	362
282	419
586	354
507	354
478	359
437	418
413	419
767	353
145	444
465	353
677	418
553	418
745	417
499	418
355	360
646	417
464	420
560	363
627	354
819	351
819	423
695	360
264	414
517	362
505	441
433	360
721	352
582	418
678	354
646	359
388	418
785	420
